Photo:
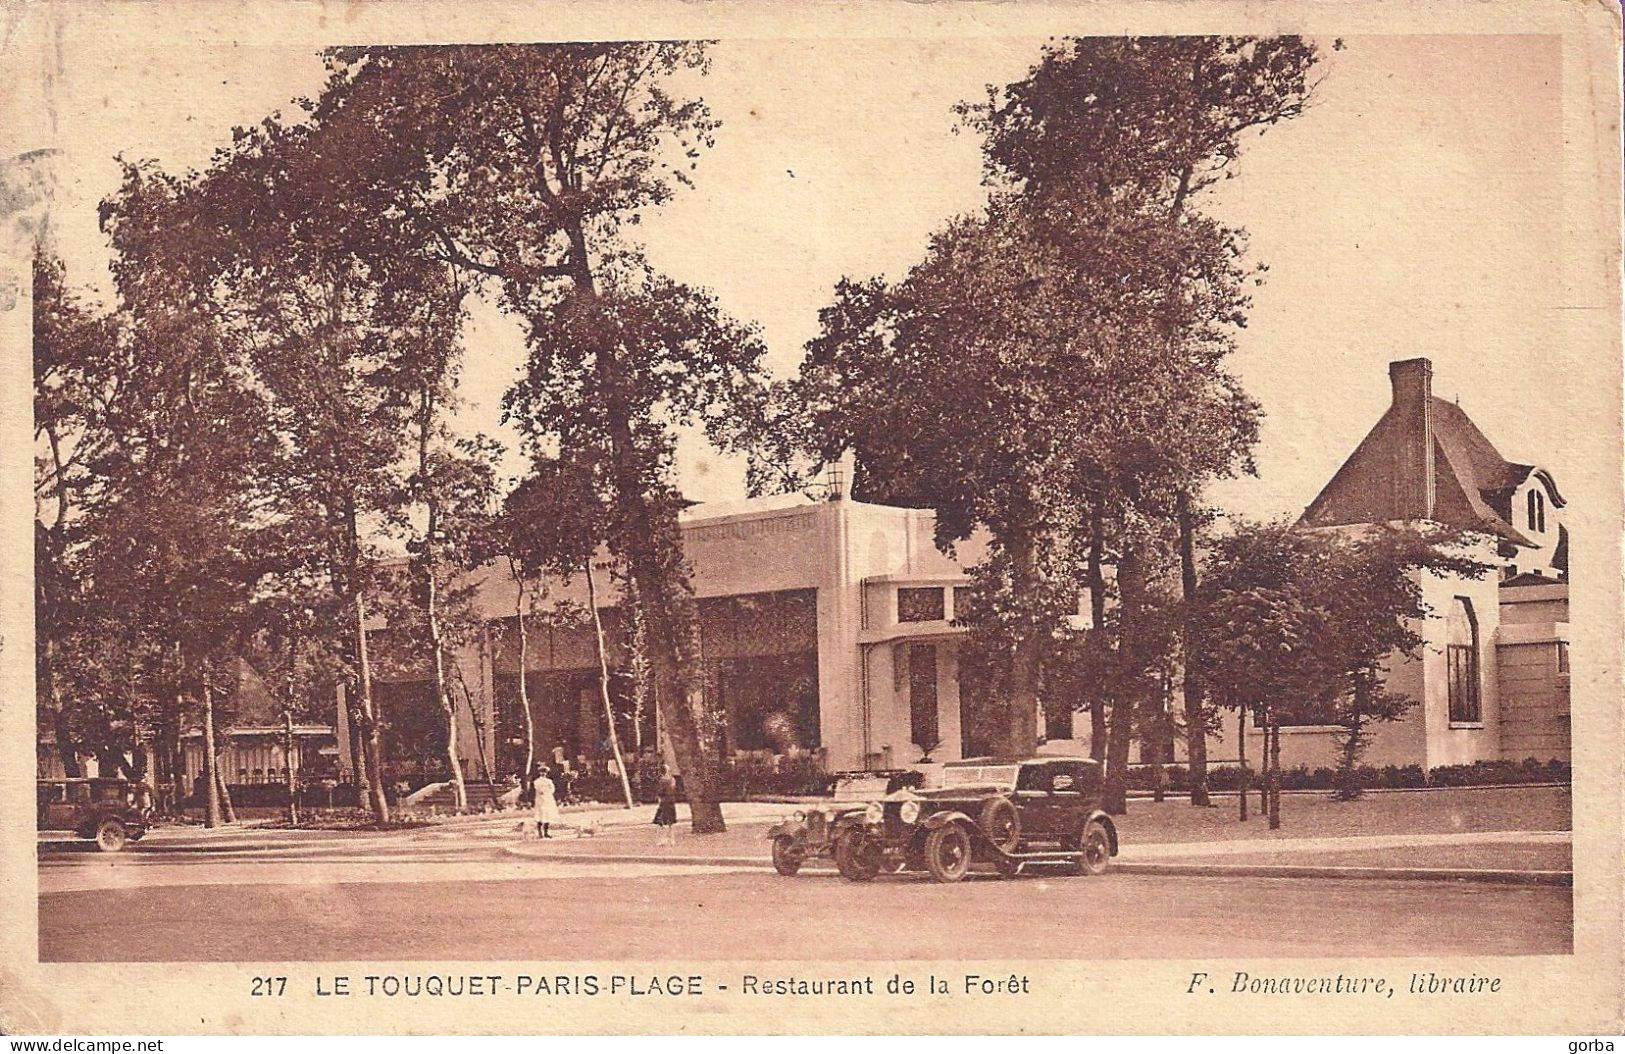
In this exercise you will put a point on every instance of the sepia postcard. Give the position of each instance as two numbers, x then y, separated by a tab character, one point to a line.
837	518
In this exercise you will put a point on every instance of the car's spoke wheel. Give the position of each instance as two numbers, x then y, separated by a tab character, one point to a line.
1094	849
786	859
857	857
947	853
111	836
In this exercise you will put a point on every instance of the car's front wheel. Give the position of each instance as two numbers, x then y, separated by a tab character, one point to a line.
857	856
947	853
111	836
1094	849
786	859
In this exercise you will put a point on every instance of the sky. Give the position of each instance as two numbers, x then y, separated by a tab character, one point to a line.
1413	210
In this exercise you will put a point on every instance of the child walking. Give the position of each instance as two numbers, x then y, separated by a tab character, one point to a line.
547	806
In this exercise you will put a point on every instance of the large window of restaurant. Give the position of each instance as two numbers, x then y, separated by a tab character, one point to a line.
413	731
566	702
760	653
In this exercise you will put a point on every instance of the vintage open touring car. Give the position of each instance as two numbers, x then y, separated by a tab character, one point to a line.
1012	814
809	833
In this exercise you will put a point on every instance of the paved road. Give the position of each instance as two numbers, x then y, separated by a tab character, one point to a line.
387	897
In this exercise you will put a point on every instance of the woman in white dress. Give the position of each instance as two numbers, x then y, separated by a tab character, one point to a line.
547	806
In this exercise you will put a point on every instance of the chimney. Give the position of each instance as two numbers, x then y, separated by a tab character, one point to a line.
1414	489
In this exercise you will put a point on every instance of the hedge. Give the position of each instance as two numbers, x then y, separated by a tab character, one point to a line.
1388	777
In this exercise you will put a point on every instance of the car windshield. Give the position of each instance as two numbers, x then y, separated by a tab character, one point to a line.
859	785
979	775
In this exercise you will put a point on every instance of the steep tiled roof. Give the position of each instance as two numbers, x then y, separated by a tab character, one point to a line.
1423	460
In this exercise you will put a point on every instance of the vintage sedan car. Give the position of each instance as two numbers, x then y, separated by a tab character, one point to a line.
113	812
1011	813
807	834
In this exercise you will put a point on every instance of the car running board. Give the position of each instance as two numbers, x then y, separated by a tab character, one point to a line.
1020	861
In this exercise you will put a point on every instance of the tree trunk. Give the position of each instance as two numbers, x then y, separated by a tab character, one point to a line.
654	556
520	603
479	731
211	761
603	682
1021	721
1353	746
1195	710
1131	589
177	762
226	808
66	750
1241	759
1274	781
370	753
679	684
1097	624
1159	772
289	749
448	710
358	744
288	754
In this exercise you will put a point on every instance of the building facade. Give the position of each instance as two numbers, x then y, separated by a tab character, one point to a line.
827	631
1491	682
828	634
827	627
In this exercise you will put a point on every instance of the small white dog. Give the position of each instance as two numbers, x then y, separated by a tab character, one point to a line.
588	829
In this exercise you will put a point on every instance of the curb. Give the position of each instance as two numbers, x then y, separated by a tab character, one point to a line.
1435	874
755	863
1432	874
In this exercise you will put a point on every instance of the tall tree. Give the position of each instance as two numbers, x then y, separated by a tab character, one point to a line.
618	414
77	373
191	443
1146	124
348	349
524	164
1018	381
1375	606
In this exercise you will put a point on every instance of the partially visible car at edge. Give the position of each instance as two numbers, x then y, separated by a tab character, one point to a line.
112	812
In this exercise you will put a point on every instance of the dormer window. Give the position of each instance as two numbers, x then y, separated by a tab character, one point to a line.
1537	511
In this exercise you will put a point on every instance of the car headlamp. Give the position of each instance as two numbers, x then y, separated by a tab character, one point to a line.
910	811
800	816
873	813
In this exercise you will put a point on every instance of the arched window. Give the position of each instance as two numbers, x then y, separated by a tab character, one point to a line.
1537	511
1461	651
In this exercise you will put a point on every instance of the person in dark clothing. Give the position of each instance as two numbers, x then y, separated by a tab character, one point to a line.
666	811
